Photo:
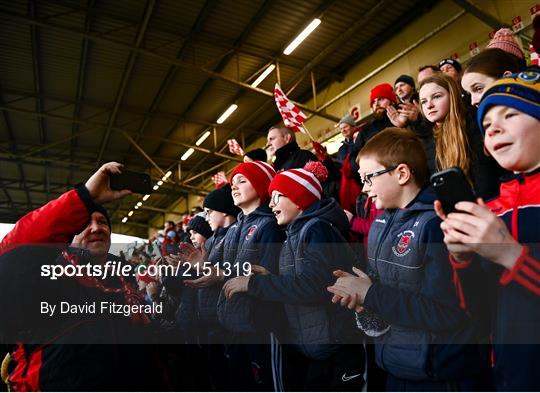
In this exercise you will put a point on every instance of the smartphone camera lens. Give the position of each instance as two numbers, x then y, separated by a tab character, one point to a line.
438	181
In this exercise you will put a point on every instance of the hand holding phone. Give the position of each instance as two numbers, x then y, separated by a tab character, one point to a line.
133	181
98	184
452	187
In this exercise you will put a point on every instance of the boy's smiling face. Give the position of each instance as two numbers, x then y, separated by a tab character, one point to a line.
243	193
283	208
384	190
512	138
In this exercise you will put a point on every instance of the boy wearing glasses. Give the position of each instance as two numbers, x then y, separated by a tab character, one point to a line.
409	281
318	359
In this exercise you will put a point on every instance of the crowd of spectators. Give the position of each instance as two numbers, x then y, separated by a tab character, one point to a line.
355	279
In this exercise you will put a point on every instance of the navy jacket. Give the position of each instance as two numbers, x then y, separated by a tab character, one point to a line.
208	297
314	248
414	293
255	239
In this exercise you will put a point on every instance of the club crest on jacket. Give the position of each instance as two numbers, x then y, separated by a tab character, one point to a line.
402	247
251	231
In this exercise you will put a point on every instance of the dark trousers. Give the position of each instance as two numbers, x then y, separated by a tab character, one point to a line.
478	384
249	367
342	371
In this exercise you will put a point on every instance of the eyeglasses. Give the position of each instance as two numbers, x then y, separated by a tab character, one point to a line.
274	200
367	178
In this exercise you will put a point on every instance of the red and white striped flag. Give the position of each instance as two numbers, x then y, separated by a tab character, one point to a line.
235	148
292	116
219	179
535	59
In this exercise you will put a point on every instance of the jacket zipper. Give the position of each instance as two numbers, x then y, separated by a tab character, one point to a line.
383	235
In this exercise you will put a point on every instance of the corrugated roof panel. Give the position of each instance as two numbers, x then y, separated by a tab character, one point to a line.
142	88
242	67
58	58
15	56
56	130
169	16
120	19
103	77
229	18
181	92
281	24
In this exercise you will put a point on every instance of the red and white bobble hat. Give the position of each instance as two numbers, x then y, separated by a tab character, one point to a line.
302	186
259	174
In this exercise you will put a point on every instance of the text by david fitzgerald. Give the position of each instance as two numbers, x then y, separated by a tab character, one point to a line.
100	308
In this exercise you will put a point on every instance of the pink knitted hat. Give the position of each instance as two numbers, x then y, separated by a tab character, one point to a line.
504	40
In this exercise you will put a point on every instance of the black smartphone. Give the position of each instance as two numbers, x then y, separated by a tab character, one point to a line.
133	181
452	187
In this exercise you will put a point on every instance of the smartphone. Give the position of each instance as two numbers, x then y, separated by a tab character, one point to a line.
452	187
133	181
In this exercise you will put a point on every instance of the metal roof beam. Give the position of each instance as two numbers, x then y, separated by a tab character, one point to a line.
346	35
88	166
488	19
32	149
81	78
86	123
126	77
93	37
249	48
6	193
37	83
171	73
222	64
99	105
321	10
13	148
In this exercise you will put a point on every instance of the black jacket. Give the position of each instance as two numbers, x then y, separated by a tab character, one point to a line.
424	131
366	133
486	173
291	156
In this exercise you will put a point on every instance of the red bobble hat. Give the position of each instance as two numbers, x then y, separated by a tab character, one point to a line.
259	174
302	186
384	90
504	40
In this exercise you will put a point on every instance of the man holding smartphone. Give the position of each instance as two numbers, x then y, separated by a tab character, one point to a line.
73	229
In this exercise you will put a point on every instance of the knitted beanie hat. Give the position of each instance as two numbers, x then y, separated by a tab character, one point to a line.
405	79
259	174
454	63
504	39
221	201
302	186
102	210
384	90
199	225
520	91
348	119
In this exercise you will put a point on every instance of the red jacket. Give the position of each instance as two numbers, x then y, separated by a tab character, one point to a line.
56	222
47	364
514	294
